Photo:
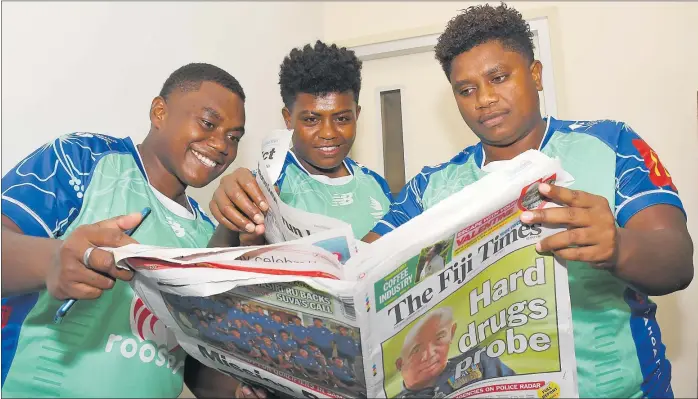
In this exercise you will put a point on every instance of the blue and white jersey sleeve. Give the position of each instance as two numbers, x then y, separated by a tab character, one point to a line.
407	205
641	179
44	193
380	180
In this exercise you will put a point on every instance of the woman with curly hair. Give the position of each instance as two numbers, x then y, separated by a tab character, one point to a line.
626	235
320	87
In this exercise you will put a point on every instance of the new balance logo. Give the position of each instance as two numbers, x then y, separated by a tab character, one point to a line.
342	199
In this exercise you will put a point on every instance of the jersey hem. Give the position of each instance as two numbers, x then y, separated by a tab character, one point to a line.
644	200
29	222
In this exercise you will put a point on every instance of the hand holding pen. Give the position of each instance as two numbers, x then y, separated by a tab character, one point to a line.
81	270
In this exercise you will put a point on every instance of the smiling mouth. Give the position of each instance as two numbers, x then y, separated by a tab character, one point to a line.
204	159
329	150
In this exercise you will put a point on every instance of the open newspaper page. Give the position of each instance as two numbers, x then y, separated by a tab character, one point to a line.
454	303
458	303
278	316
283	222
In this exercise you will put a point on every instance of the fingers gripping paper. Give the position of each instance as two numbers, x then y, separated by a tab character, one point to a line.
454	303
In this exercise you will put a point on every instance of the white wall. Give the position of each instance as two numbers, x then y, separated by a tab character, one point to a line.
96	66
631	61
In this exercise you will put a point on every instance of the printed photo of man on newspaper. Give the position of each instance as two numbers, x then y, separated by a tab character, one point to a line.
423	361
292	345
433	259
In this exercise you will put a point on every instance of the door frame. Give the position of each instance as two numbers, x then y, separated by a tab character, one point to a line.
378	123
422	43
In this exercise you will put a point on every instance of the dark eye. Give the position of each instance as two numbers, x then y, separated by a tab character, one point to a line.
500	78
208	125
310	120
466	91
234	138
344	119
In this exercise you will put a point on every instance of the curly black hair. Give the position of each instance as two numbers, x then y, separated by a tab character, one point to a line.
480	24
319	70
189	78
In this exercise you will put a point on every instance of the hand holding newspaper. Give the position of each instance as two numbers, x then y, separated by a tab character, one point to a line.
491	317
454	303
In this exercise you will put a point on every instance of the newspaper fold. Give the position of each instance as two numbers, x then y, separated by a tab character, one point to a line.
454	303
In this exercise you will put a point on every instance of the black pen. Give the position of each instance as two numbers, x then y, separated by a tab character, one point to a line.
63	310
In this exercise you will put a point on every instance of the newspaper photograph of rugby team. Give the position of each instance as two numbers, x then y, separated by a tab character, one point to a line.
320	351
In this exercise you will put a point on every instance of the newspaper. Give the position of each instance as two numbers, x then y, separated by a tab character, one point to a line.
454	303
470	309
283	222
281	316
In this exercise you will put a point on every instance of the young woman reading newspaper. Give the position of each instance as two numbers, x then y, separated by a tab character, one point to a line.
320	87
626	234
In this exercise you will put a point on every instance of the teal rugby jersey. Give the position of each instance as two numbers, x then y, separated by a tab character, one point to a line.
111	346
360	199
618	343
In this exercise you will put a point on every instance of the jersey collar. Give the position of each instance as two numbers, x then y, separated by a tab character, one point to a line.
168	203
333	181
480	153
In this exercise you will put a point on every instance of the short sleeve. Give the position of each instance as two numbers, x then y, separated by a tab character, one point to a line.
44	193
381	182
407	206
641	178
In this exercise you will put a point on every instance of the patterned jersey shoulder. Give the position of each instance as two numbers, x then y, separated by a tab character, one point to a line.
642	180
409	202
427	174
288	160
356	166
44	192
607	131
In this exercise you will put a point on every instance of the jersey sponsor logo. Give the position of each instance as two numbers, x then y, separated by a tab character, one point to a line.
152	341
147	327
659	175
342	199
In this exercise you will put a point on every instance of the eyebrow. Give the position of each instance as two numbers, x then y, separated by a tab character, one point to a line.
344	111
240	129
212	112
488	72
216	115
495	69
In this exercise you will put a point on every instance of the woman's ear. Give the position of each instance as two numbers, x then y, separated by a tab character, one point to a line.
158	112
287	117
